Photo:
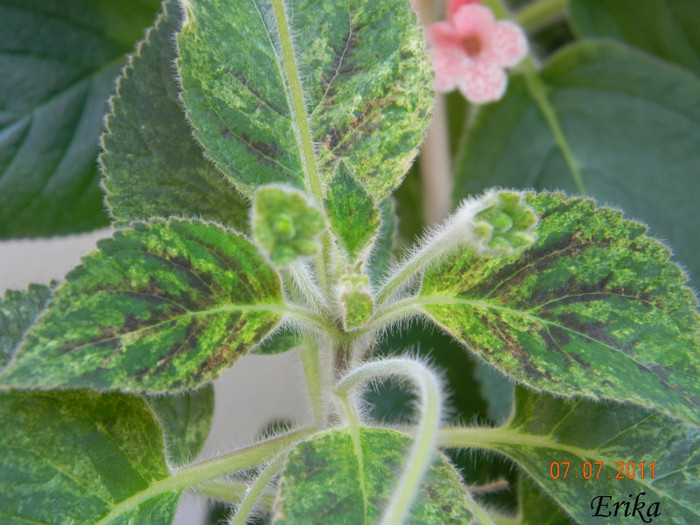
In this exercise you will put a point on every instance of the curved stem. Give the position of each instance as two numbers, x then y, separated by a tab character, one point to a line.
256	490
420	456
540	12
400	310
206	470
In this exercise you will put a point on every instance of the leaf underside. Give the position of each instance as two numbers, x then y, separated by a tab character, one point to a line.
546	429
152	165
632	123
594	308
320	482
364	75
59	59
163	306
72	457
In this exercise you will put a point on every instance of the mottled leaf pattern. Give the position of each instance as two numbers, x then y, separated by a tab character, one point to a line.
152	165
595	308
547	429
320	482
165	305
364	75
18	311
279	342
59	59
186	419
633	125
70	458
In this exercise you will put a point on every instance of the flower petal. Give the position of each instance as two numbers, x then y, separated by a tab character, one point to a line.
449	65
506	44
483	82
473	19
443	34
454	5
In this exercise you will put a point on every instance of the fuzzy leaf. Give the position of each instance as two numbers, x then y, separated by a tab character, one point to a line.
320	482
59	59
152	165
594	308
380	257
353	217
547	429
186	420
163	306
665	28
18	311
632	123
359	70
281	341
72	457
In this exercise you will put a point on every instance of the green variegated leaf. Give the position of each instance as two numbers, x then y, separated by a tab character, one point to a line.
152	165
380	256
18	311
186	419
353	216
321	482
536	508
70	458
163	306
279	342
546	429
265	80
58	59
666	28
632	123
594	308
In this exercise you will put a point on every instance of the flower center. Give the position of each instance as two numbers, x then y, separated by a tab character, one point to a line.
472	45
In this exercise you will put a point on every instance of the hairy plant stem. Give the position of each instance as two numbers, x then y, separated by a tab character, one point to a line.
300	276
541	12
256	490
315	382
421	453
232	491
210	469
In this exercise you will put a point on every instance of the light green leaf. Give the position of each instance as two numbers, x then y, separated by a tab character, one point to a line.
323	482
536	508
380	256
163	306
547	429
59	59
632	123
152	165
264	82
18	311
353	216
186	419
72	457
595	308
665	28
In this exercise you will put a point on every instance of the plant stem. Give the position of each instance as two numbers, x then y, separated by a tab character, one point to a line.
435	163
420	456
390	313
354	429
257	488
230	491
206	470
540	13
314	380
302	279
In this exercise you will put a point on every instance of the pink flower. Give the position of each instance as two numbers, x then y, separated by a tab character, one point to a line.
470	51
454	5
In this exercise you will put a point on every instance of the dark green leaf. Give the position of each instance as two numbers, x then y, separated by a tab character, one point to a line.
163	306
360	71
536	508
152	165
321	482
633	124
18	311
353	216
665	28
279	342
547	429
595	308
59	59
72	457
381	254
186	419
